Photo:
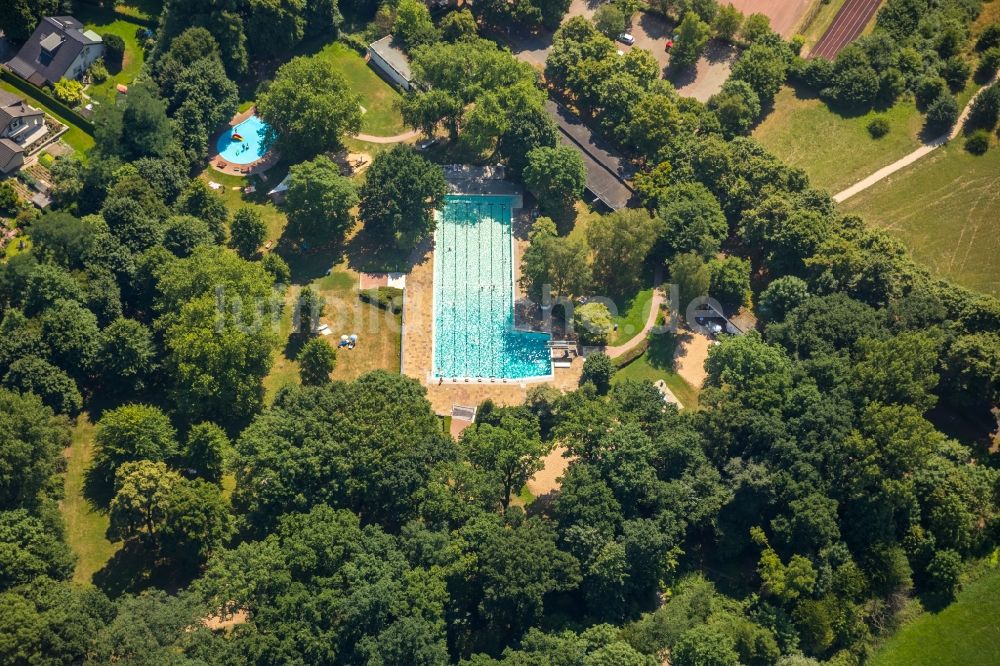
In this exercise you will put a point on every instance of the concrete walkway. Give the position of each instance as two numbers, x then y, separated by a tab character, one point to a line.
654	310
907	160
399	138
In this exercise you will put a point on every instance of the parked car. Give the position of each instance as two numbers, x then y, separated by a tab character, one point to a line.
626	38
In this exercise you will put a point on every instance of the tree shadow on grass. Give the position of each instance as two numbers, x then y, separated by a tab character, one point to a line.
136	567
97	490
660	353
370	253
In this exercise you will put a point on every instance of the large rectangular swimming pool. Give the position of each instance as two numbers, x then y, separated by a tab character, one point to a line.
474	335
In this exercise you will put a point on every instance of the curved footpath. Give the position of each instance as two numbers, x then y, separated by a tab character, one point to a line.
907	160
654	310
399	138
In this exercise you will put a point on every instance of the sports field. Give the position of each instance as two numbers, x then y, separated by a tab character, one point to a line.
966	633
944	208
836	151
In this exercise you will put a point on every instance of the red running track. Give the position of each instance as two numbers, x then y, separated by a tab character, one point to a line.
847	25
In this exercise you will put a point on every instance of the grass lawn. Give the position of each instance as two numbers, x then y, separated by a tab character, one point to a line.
259	201
963	634
284	369
379	331
944	207
74	137
105	22
834	150
381	116
85	527
658	363
632	317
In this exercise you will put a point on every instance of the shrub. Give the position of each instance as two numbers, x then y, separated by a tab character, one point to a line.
46	160
356	43
114	50
929	89
989	63
956	72
68	91
599	371
98	72
978	142
942	114
985	109
990	37
592	322
878	127
387	298
9	203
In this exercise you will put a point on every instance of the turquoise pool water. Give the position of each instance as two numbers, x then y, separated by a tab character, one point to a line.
250	149
474	334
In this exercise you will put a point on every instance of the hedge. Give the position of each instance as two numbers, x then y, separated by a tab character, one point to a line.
632	354
387	298
69	115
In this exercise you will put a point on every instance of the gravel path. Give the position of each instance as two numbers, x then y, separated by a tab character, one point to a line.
907	160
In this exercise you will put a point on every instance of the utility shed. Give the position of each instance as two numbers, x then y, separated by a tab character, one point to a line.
389	59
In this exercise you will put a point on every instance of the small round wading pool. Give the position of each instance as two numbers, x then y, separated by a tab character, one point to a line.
243	144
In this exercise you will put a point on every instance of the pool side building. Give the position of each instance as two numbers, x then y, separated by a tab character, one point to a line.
391	62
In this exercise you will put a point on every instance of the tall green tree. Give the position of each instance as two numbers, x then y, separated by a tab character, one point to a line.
556	176
130	433
309	107
247	231
692	36
319	200
316	361
399	196
508	453
31	438
621	242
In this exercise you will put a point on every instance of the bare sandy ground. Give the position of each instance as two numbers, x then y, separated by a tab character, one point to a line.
690	357
785	15
710	72
544	481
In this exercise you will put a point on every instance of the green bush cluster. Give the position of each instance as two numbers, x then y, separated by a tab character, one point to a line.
386	298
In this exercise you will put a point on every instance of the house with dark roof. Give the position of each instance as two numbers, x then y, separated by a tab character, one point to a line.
608	173
60	48
20	125
390	60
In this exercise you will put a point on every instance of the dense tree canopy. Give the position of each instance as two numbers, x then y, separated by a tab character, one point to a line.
309	108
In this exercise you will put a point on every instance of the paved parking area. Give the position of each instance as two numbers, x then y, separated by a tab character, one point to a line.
710	72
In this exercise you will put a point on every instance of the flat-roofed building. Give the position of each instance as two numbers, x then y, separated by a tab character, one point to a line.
389	59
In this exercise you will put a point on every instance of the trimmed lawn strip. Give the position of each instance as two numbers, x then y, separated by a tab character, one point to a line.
85	526
632	319
273	216
75	137
963	634
944	208
109	22
381	116
658	363
836	151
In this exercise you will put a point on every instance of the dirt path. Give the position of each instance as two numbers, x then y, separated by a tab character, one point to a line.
907	160
690	356
399	138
